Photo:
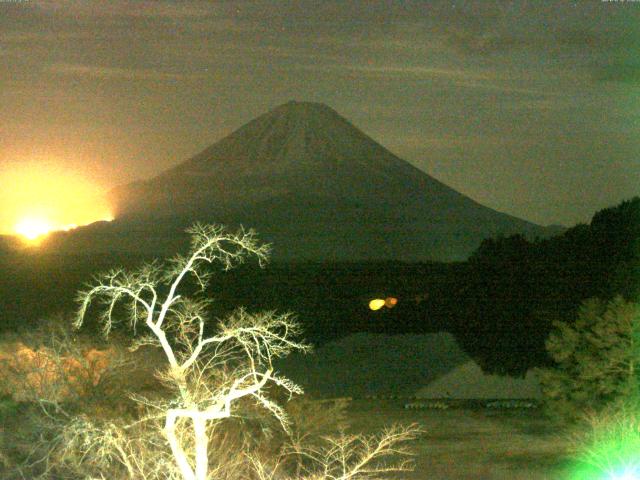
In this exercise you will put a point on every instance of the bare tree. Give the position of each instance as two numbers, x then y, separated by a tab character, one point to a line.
348	457
209	373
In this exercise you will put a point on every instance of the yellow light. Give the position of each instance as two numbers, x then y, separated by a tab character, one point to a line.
32	228
376	304
41	199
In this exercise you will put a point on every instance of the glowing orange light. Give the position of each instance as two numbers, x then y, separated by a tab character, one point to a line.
41	199
32	228
390	302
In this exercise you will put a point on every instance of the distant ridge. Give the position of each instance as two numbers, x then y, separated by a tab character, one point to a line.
313	184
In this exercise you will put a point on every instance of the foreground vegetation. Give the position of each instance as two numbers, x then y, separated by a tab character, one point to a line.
218	409
211	379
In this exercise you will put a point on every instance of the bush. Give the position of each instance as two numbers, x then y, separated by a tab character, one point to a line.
597	359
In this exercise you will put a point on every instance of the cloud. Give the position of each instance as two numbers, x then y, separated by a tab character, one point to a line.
21	37
445	140
489	80
544	104
623	71
483	42
405	71
424	71
580	37
127	8
95	71
495	87
489	27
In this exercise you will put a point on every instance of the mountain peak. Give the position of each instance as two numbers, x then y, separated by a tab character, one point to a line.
295	116
304	103
297	106
295	142
319	187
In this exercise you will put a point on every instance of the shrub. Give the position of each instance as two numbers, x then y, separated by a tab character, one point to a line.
597	359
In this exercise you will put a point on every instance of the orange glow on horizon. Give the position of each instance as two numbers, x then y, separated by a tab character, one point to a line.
32	228
37	199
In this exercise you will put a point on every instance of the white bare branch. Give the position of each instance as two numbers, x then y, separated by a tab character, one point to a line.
350	457
210	373
177	325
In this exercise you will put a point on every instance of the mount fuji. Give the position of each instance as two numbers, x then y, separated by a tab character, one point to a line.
313	185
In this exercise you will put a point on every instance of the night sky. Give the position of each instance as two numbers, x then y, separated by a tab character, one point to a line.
529	107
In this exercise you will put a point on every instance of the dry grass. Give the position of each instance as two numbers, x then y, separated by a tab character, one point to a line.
456	444
472	445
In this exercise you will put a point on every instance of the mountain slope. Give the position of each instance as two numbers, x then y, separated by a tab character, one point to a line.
319	189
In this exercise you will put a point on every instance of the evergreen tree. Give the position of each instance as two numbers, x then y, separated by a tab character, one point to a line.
597	359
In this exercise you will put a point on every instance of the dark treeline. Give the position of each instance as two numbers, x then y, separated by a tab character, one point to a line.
35	286
330	299
514	289
500	304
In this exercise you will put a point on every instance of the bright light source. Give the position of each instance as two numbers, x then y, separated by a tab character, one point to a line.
390	302
41	198
626	475
32	228
376	304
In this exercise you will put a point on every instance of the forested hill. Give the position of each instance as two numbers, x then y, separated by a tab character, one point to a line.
515	288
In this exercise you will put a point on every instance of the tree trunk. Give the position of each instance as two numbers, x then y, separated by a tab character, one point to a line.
202	457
